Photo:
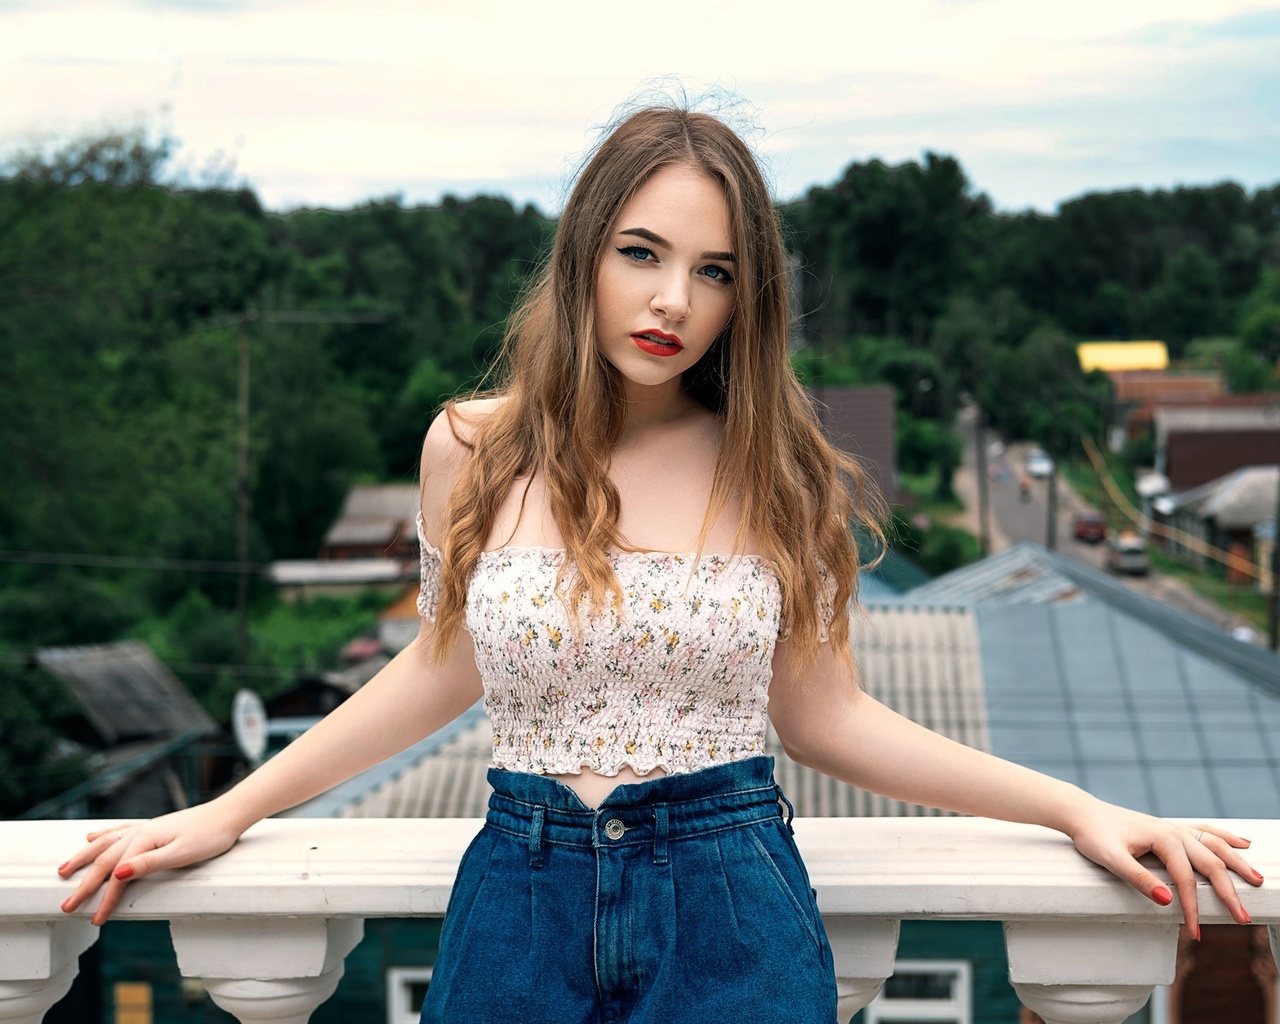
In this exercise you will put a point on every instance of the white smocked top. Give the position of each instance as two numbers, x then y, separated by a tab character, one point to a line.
678	680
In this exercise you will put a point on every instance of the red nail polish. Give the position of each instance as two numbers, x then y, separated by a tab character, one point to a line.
1162	895
124	871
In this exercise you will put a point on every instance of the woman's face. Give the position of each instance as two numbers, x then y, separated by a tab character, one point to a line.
665	287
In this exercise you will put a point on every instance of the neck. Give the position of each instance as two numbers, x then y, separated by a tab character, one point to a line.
656	407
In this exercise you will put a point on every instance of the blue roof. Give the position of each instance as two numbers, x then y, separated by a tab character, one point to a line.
1136	701
1090	694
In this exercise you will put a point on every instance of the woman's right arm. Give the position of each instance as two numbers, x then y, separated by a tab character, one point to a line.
412	697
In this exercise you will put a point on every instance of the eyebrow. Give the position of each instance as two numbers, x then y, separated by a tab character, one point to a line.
656	239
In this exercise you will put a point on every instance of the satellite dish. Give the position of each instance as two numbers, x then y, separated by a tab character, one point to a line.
249	725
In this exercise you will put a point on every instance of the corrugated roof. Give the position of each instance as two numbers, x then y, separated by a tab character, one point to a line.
921	661
1017	575
1241	499
375	515
1130	711
125	692
1034	656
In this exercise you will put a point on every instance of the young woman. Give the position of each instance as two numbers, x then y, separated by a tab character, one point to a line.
633	549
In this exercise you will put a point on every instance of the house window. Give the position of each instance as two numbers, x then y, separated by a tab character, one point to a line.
925	992
406	989
132	1002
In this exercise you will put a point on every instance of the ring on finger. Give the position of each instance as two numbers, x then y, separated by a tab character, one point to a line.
1198	835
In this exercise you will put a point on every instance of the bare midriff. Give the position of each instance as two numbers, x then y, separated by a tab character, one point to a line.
593	788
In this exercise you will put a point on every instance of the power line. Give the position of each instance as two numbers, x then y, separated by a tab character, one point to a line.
89	561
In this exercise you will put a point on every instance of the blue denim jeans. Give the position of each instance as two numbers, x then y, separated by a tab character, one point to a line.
678	899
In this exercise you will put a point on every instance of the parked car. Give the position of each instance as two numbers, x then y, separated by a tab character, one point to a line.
1127	552
1089	525
1038	464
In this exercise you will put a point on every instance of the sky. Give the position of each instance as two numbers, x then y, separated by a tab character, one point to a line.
319	103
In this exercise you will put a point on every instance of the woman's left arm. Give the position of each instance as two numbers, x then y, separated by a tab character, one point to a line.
826	722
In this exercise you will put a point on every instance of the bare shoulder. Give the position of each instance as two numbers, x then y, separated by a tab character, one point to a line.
445	451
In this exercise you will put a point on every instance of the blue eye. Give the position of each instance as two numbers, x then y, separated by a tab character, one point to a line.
718	274
639	253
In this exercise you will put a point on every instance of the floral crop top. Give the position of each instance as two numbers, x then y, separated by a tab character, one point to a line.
679	680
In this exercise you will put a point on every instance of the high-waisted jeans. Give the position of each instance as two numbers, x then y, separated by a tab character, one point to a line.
678	899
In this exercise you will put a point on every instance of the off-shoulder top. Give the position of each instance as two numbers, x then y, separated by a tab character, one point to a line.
678	679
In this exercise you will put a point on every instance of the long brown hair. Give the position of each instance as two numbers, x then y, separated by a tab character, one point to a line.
564	408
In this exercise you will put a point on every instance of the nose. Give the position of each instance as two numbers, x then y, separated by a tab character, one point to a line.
671	300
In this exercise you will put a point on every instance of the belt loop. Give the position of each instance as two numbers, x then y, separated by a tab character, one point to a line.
791	811
660	834
535	838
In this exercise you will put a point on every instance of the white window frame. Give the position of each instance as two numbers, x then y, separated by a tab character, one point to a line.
956	1010
399	1006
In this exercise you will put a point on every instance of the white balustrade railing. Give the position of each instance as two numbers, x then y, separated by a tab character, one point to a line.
267	926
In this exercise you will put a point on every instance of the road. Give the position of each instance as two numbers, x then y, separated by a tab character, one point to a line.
1014	520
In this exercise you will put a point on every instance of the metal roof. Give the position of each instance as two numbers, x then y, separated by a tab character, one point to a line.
1131	710
375	514
921	661
1240	499
1041	659
125	692
1017	575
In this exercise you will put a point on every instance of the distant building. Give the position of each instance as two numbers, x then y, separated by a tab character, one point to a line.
1139	392
1229	514
376	521
1110	356
141	724
1197	444
860	422
372	545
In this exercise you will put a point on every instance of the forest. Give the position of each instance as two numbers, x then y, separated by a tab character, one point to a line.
126	294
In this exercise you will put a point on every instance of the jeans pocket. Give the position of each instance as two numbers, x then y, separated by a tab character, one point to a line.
799	899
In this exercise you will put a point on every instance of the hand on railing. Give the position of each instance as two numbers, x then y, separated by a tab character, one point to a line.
1115	838
117	855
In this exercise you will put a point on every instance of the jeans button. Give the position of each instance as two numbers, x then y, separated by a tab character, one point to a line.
614	828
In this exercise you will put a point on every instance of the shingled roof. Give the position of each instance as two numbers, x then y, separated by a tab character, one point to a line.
125	692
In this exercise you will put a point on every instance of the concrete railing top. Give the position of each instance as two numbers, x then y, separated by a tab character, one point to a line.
268	925
876	867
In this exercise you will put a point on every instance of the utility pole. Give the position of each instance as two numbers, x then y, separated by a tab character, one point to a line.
1274	609
980	461
244	486
244	497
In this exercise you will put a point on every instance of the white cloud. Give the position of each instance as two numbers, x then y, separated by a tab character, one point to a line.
326	102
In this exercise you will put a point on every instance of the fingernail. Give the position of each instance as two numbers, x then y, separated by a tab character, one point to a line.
124	871
1197	933
65	908
1258	876
1162	895
1247	918
63	867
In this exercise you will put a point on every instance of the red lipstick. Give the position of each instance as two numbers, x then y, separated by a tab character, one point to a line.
657	343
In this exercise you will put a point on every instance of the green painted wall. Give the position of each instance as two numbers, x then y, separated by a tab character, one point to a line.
979	942
142	951
388	942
